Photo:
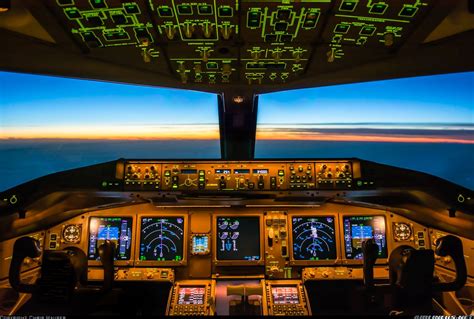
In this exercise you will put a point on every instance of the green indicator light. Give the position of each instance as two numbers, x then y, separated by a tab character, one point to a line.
348	5
73	14
98	4
205	9
378	8
104	184
225	11
341	28
408	11
253	19
212	65
165	12
91	40
367	30
185	9
142	33
119	19
132	8
116	36
65	2
281	26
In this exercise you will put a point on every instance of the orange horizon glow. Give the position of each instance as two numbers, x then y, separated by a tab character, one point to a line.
211	132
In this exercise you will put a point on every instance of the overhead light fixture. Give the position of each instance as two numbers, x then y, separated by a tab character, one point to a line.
5	5
238	99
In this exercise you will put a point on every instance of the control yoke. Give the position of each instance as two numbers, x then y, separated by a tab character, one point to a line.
412	269
71	258
370	251
452	246
24	247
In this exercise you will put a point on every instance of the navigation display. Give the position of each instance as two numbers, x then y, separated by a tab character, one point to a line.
287	295
162	238
359	228
314	238
238	238
116	229
191	295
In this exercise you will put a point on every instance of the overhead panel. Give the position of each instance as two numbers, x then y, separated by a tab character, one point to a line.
246	42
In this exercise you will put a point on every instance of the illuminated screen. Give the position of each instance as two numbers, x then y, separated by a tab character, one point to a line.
191	295
238	238
116	229
285	295
162	238
200	244
359	228
314	238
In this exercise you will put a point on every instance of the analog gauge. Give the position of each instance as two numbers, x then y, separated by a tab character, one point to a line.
402	231
72	233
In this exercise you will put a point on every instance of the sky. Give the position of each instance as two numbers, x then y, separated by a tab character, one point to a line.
438	109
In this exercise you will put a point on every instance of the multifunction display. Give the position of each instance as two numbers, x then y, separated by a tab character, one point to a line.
162	238
314	238
359	228
285	295
238	238
191	295
118	230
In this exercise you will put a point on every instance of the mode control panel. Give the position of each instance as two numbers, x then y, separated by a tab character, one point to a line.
134	274
237	176
192	298
342	273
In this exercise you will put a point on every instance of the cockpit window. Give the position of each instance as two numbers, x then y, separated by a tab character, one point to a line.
421	123
50	124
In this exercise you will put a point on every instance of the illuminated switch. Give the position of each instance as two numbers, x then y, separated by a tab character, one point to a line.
341	28
167	173
368	30
165	12
114	36
225	11
212	66
281	26
205	9
378	8
73	14
119	19
142	34
408	11
283	14
94	21
91	40
281	172
131	8
185	9
311	20
270	38
286	38
98	4
348	5
253	19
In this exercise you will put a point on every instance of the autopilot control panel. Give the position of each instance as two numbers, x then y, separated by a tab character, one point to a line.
239	176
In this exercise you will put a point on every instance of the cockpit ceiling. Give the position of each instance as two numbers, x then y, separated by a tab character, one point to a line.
224	45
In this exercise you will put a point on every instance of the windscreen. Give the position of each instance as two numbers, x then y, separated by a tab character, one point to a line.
50	124
421	123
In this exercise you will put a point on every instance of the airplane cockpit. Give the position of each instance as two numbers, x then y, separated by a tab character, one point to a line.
237	235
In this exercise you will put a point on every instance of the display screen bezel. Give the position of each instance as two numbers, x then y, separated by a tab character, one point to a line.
388	240
181	262
237	262
298	262
132	239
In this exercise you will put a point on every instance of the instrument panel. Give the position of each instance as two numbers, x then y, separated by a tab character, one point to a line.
282	240
241	176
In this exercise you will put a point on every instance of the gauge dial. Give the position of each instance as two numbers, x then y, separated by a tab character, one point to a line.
402	231
72	233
